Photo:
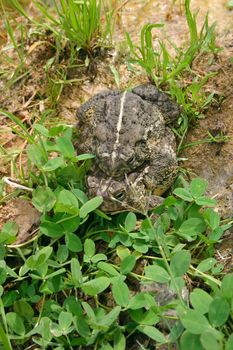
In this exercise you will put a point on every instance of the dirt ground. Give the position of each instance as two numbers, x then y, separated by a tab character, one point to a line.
212	161
27	98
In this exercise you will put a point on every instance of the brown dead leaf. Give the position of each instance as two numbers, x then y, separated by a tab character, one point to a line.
24	214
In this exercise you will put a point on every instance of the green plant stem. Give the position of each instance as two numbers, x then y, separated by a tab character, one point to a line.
41	310
179	148
168	266
67	219
20	254
18	122
205	276
5	341
4	336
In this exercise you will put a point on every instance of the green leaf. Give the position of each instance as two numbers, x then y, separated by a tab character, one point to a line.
69	175
198	187
90	206
106	346
84	156
23	270
169	201
82	197
65	320
44	328
177	283
2	251
9	297
53	164
138	301
41	256
180	262
153	333
41	130
8	232
200	300
51	229
106	267
9	270
3	275
89	311
120	292
206	264
140	247
190	341
43	199
157	274
55	330
192	227
82	327
66	203
49	146
194	321
62	253
216	234
229	343
73	305
209	342
24	309
212	218
73	242
165	221
150	317
111	317
66	147
122	251
89	247
229	4
130	222
219	311
119	341
116	75
15	323
98	257
58	129
76	272
173	213
70	223
205	201
127	264
183	194
36	155
227	286
96	286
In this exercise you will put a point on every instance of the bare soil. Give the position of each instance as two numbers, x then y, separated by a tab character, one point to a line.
214	160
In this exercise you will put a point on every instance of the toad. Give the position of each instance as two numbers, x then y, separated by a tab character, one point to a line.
135	149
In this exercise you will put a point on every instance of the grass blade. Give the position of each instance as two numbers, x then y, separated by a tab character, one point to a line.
18	122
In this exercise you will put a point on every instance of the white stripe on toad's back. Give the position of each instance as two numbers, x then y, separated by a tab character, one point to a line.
119	126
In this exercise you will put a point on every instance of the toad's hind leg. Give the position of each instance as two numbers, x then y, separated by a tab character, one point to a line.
159	175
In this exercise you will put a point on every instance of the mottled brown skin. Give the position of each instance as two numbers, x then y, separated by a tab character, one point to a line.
167	107
135	150
123	194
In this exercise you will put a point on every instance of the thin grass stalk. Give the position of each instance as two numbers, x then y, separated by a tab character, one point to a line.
5	341
192	24
26	135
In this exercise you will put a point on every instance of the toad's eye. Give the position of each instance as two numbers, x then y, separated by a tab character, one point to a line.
131	160
120	196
